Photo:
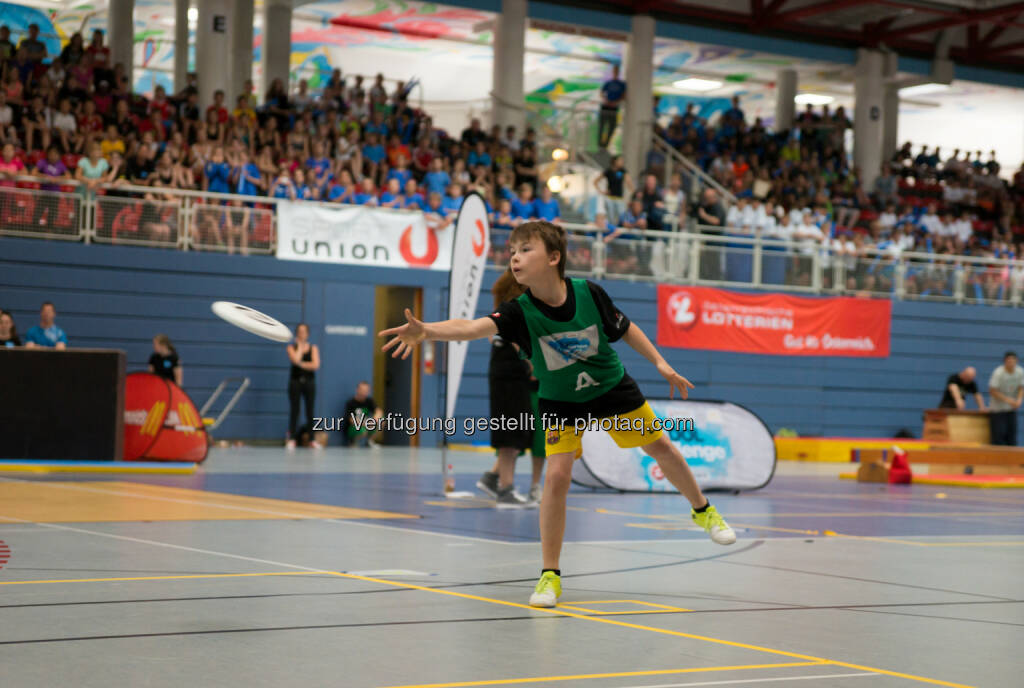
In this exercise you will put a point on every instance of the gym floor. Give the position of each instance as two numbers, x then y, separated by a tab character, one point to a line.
346	568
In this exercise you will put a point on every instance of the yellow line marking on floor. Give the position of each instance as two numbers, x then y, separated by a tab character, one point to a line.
652	629
912	543
104	501
658	608
621	674
155	578
838	514
691	526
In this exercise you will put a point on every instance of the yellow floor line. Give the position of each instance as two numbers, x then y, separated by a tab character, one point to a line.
622	674
652	629
155	578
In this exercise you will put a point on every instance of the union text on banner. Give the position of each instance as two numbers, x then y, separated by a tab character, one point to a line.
358	235
707	318
469	256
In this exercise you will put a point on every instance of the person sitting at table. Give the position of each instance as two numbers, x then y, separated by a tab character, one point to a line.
958	386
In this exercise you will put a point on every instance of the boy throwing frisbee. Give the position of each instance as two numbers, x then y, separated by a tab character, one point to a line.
566	326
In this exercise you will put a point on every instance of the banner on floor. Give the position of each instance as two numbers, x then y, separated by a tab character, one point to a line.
357	235
161	422
779	324
469	257
726	446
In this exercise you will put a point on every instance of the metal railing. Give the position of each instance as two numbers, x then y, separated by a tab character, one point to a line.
196	220
692	172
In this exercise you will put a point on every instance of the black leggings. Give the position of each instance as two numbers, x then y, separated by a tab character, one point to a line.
300	388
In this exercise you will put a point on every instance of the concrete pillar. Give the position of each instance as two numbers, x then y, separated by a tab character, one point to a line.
638	122
213	50
180	44
868	114
507	105
785	106
241	48
891	109
121	36
277	43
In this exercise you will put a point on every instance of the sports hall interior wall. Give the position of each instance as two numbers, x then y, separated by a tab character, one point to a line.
120	297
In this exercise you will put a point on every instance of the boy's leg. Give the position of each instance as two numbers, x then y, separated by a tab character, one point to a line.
676	470
506	466
552	507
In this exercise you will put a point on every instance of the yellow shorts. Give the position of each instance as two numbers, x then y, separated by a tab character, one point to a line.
624	428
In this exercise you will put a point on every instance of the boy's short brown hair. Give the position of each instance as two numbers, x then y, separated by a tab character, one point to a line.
552	235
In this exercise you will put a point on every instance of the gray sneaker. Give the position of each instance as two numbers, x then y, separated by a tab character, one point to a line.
488	483
535	493
508	498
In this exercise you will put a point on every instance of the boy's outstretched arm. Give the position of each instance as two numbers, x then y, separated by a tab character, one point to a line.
407	336
636	338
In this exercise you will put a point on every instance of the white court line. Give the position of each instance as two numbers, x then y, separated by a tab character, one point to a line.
755	680
54	526
416	531
137	495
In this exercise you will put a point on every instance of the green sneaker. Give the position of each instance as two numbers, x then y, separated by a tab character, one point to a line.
548	590
712	522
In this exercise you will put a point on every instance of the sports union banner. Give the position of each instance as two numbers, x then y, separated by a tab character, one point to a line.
358	235
726	446
779	324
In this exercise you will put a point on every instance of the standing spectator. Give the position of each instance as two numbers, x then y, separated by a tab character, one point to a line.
618	186
305	359
958	386
711	218
47	333
612	93
6	47
1006	387
163	362
8	332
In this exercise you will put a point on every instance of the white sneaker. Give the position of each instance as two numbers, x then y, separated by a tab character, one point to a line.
289	445
535	493
315	445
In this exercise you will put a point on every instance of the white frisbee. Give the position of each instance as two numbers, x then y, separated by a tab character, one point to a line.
252	320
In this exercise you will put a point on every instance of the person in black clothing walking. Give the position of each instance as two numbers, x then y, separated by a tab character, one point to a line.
305	358
164	360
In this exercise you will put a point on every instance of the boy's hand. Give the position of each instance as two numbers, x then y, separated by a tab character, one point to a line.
675	381
406	337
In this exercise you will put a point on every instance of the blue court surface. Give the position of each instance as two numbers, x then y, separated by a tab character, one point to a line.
349	568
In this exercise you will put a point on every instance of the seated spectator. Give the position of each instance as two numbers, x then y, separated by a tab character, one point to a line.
8	332
163	362
11	165
92	169
434	214
412	199
52	168
522	207
47	334
358	409
633	217
452	201
479	155
367	193
400	172
283	186
37	121
217	109
373	155
654	206
303	190
502	218
217	173
342	189
248	177
396	149
392	196
546	207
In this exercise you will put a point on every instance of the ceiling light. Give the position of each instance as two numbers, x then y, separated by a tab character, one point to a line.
559	154
556	184
923	89
813	99
193	14
699	85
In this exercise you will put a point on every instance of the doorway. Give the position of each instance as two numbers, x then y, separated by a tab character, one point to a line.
396	382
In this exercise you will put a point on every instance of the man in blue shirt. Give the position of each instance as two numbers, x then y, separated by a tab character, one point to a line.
546	207
612	94
46	333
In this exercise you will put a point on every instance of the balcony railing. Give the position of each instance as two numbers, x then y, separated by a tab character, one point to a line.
200	221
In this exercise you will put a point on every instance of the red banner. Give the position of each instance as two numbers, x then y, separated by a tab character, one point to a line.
779	324
161	422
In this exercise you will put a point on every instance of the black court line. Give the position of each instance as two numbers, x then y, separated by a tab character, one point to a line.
271	629
943	618
871	580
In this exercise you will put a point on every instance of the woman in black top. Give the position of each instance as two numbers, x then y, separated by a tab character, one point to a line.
305	358
512	388
164	361
8	332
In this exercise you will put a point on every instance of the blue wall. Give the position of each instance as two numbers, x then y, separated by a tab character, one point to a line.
121	296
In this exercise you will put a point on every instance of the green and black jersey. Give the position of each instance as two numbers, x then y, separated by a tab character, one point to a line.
569	346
